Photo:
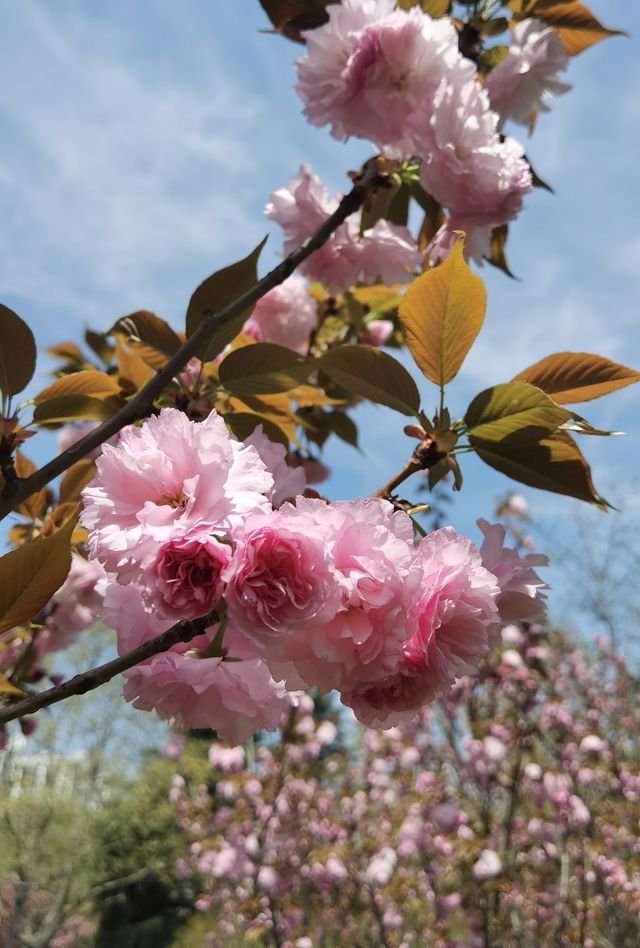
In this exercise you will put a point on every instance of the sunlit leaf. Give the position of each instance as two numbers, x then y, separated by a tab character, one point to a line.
143	326
514	410
17	352
372	374
95	384
576	25
578	376
66	352
217	292
276	408
441	315
554	463
263	368
30	575
133	371
7	688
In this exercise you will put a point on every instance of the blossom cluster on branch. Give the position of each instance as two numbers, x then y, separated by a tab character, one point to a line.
188	523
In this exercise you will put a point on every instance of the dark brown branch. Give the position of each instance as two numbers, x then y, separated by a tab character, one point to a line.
139	406
89	680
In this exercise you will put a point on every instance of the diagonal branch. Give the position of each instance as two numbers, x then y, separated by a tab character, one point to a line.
94	677
139	406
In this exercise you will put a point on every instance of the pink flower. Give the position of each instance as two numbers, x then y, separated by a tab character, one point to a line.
289	480
286	315
167	478
281	579
527	77
76	604
521	597
384	251
371	67
228	759
450	625
379	331
234	698
372	558
69	435
480	179
186	575
488	865
381	867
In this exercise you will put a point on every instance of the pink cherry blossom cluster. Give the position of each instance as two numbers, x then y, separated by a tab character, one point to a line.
384	252
188	522
397	78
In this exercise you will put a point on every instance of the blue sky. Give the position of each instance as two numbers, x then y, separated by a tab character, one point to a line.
140	144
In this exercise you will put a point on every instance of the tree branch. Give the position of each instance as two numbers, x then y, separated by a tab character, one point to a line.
139	406
94	677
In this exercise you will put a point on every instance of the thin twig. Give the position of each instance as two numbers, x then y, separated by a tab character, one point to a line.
139	406
94	677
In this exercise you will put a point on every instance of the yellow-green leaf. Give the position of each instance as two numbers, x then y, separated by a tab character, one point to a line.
217	292
95	384
263	369
59	411
576	25
513	410
554	463
17	352
441	315
577	376
143	326
31	575
7	688
372	374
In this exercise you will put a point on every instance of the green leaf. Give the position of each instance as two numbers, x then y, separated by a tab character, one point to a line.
343	427
513	410
99	344
441	315
59	411
149	329
263	369
372	374
31	575
244	423
490	58
217	292
578	376
554	463
17	352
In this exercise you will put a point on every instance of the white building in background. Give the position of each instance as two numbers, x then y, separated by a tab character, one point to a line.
72	775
